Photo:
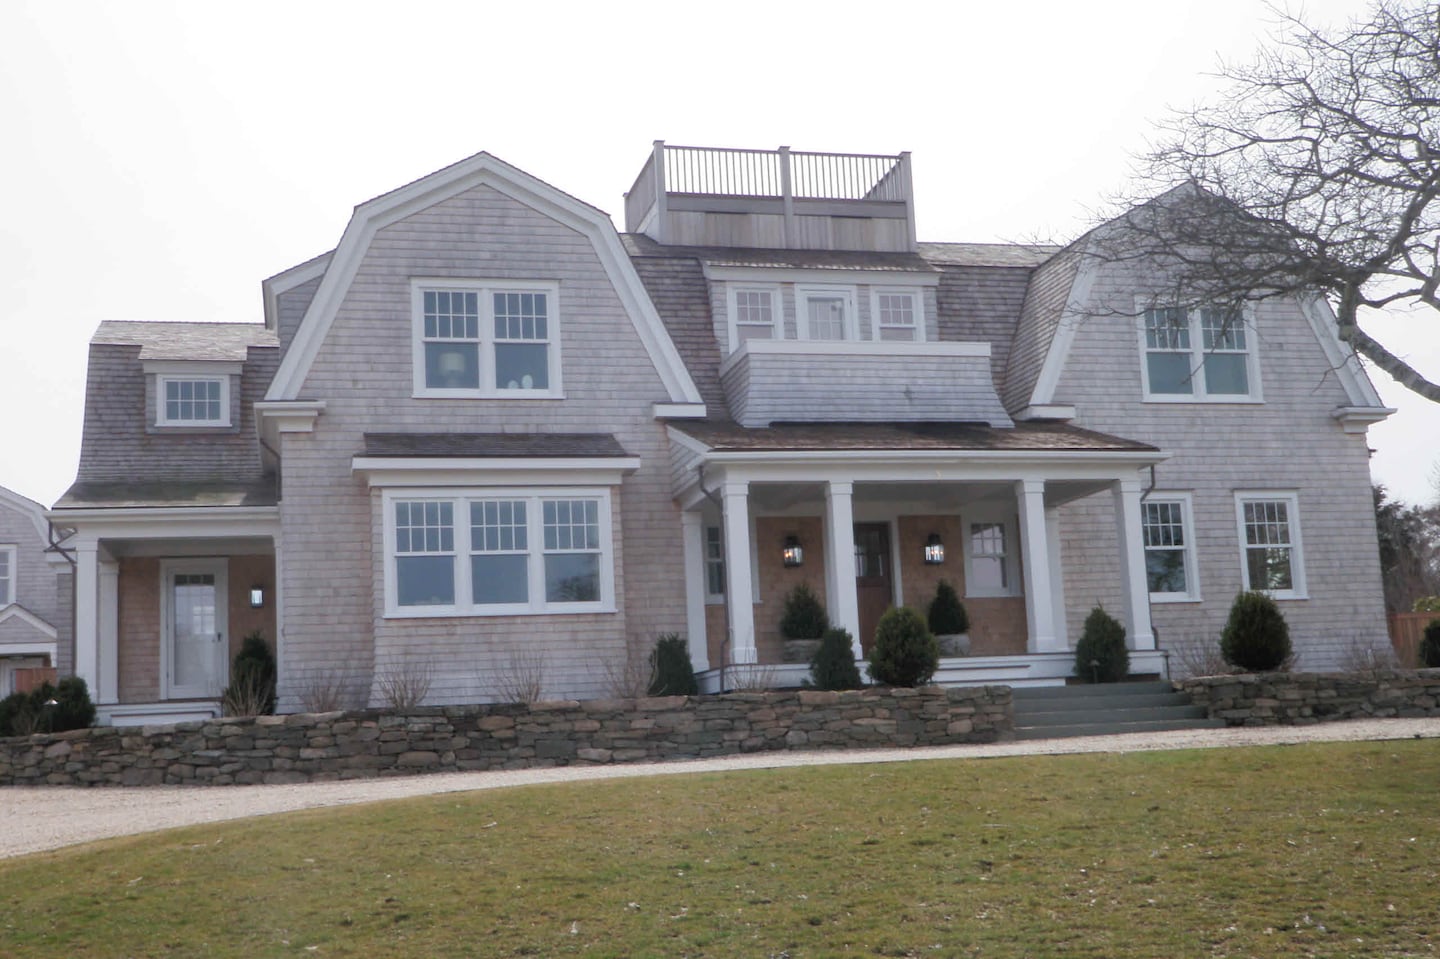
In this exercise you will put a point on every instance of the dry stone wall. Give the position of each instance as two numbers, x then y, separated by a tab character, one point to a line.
359	745
1299	699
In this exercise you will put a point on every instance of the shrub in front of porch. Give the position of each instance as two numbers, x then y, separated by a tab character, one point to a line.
833	665
1256	637
671	671
1100	653
803	622
905	652
48	709
252	679
948	620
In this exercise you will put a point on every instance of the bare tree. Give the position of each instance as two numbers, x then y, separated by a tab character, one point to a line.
1314	175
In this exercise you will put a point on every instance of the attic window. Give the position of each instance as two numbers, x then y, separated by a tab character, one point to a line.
478	339
183	400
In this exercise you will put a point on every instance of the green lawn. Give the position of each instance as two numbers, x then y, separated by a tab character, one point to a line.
1320	850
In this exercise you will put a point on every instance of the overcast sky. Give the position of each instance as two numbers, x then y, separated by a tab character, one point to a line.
158	160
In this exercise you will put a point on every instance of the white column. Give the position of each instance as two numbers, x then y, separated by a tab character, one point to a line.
1135	590
692	528
1057	577
109	630
87	622
1035	553
840	599
739	602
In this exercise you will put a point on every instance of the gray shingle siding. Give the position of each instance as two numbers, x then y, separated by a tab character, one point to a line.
1046	298
42	588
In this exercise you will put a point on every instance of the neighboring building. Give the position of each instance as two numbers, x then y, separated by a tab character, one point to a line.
489	437
35	594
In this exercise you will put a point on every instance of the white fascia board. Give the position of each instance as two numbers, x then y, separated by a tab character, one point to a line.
32	509
1070	319
678	411
800	348
169	522
1357	419
481	169
16	611
780	274
930	465
386	471
1343	361
274	417
1054	411
193	367
272	287
686	441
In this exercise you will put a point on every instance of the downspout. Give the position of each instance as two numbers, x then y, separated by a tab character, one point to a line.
1155	630
725	608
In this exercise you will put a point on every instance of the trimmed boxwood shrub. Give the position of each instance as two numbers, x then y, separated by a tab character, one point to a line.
947	613
24	713
803	616
1430	645
1100	653
671	672
833	665
1256	637
905	652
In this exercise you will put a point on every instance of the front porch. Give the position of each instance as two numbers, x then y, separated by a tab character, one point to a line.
862	508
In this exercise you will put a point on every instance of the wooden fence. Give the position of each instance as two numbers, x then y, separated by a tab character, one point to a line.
1406	631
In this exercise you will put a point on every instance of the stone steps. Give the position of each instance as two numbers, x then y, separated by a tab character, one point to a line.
1053	712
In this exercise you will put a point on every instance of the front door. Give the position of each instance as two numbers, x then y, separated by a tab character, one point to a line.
874	584
195	647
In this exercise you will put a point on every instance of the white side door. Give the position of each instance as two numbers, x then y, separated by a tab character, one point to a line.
195	629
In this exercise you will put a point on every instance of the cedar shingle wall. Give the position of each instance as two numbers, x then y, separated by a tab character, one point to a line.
41	588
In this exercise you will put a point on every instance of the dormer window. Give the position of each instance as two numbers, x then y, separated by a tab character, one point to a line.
826	313
482	339
896	316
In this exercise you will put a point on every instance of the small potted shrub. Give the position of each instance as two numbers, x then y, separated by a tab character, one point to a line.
1256	637
1100	653
803	622
833	665
905	652
949	621
1430	645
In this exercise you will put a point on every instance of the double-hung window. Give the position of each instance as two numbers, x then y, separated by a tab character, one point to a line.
1270	554
714	565
754	314
494	552
183	400
7	575
1197	354
989	558
896	316
475	338
1169	548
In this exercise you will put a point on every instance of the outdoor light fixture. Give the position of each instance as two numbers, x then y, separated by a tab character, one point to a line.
793	554
934	550
257	596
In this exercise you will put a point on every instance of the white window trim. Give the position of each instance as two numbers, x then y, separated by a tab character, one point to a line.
161	407
732	310
917	301
485	290
1012	545
1297	558
803	293
533	497
9	589
1197	358
1192	571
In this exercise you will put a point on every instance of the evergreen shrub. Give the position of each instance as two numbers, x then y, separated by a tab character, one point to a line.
905	652
671	672
833	665
1256	637
803	617
252	679
24	713
1100	653
1430	645
947	613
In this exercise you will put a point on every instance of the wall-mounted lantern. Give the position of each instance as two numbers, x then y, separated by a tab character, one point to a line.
792	553
934	550
257	596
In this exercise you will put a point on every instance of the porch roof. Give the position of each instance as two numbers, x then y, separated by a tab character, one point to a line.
169	493
500	445
1038	436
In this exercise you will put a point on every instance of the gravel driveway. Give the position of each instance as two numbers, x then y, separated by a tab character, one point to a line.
40	818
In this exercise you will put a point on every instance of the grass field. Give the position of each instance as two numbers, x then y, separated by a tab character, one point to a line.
1317	850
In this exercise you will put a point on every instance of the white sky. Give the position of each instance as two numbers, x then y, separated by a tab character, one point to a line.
158	160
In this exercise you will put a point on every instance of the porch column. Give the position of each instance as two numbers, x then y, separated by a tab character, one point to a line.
739	600
1035	554
692	528
109	634
87	622
1134	589
843	607
1057	577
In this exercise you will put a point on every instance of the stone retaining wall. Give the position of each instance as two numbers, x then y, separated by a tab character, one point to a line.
1297	699
358	745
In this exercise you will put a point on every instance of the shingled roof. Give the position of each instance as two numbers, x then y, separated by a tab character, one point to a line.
186	341
169	494
811	437
485	445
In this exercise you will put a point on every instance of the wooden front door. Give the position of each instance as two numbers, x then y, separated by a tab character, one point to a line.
874	582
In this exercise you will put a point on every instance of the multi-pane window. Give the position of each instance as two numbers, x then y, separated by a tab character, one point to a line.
986	572
1168	553
506	552
1270	544
474	339
714	562
755	313
7	575
825	314
424	553
193	401
1199	353
896	317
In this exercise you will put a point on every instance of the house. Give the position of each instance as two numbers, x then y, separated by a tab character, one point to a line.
35	596
489	438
